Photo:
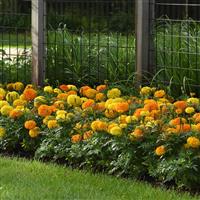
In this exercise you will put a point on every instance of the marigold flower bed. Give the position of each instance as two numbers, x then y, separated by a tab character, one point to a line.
102	129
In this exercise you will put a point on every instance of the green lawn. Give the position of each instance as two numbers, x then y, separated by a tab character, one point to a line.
22	180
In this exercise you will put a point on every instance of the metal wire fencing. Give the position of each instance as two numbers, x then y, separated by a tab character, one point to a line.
90	41
15	41
177	42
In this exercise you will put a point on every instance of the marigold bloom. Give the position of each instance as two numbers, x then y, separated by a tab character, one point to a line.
30	124
2	93
121	107
84	89
159	94
111	114
113	93
74	100
5	110
189	110
11	96
160	150
180	105
99	125
62	96
64	87
101	88
182	128
2	132
9	86
33	133
145	90
18	86
15	113
100	97
100	106
52	124
76	138
193	101
88	103
29	94
193	142
19	102
90	93
3	103
48	89
138	112
116	131
87	135
59	104
177	121
153	105
138	133
44	110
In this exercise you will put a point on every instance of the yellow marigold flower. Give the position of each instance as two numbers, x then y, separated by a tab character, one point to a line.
18	86
2	93
48	89
19	102
193	101
29	86
128	119
59	104
72	87
123	126
57	91
74	100
39	101
193	142
90	93
160	150
33	133
189	110
30	124
10	86
110	114
159	94
3	103
116	130
61	112
52	124
11	96
5	110
113	93
145	90
61	117
47	118
15	113
99	125
144	113
76	138
2	132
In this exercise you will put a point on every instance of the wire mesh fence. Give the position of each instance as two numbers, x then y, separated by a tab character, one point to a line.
15	41
90	41
177	42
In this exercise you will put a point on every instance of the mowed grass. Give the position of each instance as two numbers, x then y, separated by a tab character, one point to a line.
22	180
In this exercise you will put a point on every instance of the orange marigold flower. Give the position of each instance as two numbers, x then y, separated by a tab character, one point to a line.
160	150
90	93
177	121
88	103
137	112
62	96
30	124
15	113
122	107
183	128
76	138
64	87
159	94
100	97
180	105
29	94
151	106
138	133
44	110
100	106
101	88
84	89
193	142
87	135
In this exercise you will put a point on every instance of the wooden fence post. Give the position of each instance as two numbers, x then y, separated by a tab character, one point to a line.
38	41
144	39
